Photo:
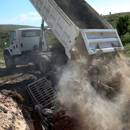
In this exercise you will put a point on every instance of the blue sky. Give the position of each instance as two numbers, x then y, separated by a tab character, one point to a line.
21	12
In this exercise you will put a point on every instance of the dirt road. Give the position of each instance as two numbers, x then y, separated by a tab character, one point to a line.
17	78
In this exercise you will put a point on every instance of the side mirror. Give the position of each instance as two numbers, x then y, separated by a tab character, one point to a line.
5	44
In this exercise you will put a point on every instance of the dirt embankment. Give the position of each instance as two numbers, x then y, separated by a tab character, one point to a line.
11	116
18	78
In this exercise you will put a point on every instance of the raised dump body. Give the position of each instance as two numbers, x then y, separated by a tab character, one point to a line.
77	25
82	14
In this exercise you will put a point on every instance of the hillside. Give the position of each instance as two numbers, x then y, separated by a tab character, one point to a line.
6	33
111	18
9	28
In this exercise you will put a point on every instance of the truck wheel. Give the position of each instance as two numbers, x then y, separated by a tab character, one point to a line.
9	62
44	64
58	58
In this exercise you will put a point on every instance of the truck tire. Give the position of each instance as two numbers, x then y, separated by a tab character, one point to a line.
58	58
9	62
44	64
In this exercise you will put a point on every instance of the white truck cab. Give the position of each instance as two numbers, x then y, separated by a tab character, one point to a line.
25	39
24	43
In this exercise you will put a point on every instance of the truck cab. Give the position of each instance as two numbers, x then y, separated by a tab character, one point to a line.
24	41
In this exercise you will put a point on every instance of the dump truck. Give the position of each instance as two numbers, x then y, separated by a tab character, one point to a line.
77	24
78	27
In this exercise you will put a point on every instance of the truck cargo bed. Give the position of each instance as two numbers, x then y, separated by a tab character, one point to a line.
82	14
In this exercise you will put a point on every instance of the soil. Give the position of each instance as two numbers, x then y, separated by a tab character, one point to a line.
14	114
13	82
10	115
18	78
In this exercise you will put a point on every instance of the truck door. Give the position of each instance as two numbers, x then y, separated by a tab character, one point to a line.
14	45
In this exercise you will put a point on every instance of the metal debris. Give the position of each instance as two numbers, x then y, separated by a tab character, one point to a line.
42	92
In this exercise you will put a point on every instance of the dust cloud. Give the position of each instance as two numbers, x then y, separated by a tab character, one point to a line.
96	111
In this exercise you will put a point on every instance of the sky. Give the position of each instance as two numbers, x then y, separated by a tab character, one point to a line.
22	12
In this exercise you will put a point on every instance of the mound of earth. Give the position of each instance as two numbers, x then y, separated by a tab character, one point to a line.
11	116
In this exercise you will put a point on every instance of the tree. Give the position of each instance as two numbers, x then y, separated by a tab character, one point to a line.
54	42
122	25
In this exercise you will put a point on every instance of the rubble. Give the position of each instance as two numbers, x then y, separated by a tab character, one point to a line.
58	120
41	92
91	110
47	115
63	121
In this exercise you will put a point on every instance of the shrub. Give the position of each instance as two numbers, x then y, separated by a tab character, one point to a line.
123	24
54	43
125	38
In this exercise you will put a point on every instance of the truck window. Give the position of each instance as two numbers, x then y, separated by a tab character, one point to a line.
31	33
14	36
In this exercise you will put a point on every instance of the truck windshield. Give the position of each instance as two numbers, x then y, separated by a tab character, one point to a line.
31	33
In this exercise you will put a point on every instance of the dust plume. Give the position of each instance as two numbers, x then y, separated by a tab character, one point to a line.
96	111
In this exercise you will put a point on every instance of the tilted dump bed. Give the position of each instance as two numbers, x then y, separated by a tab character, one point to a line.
77	24
82	14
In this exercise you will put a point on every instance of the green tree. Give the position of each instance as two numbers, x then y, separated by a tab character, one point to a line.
122	25
54	42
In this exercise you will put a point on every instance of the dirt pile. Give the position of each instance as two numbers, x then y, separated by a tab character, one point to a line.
11	116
